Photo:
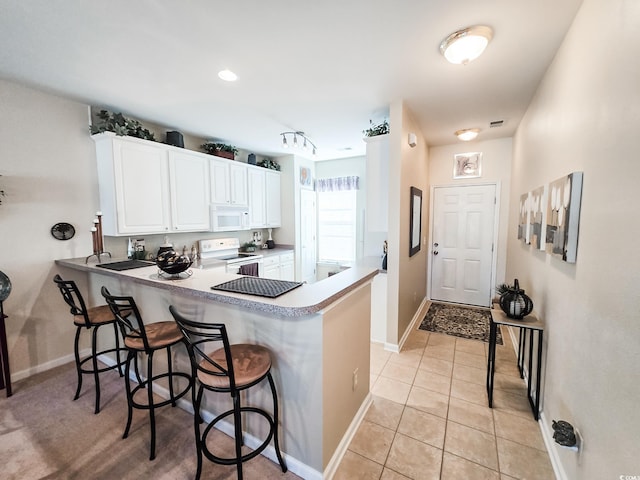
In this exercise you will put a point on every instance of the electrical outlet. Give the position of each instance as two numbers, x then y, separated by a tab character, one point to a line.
354	381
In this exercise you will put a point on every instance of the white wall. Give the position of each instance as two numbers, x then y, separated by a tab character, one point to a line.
49	176
496	168
407	276
585	117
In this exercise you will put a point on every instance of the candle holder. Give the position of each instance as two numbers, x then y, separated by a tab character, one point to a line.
98	241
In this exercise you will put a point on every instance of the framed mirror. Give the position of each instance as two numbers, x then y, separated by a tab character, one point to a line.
415	231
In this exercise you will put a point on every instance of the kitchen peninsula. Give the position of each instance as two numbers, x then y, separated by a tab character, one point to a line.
319	334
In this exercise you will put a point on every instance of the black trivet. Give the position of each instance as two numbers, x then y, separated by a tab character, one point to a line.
263	287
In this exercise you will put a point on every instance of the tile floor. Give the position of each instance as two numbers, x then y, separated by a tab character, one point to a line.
430	419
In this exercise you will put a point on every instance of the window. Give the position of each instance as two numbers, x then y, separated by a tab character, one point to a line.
337	226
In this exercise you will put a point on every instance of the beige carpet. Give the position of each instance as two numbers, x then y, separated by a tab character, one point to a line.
44	434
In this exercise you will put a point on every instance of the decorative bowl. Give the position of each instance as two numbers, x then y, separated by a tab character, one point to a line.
172	263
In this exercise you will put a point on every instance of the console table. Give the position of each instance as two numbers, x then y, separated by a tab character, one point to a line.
529	326
5	373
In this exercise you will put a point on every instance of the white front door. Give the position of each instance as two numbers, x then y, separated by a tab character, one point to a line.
462	244
308	235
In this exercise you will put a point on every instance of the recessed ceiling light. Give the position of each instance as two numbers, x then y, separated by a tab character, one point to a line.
227	75
466	45
467	134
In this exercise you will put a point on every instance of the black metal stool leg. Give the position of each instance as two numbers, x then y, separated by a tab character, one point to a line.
94	362
127	383
237	420
115	330
170	378
197	420
276	443
152	413
78	366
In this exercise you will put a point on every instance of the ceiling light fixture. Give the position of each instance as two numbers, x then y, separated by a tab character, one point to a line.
306	140
467	134
227	75
467	44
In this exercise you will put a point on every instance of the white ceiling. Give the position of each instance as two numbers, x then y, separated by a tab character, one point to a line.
324	67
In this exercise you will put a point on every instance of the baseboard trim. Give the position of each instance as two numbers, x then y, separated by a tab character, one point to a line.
333	464
293	464
550	443
43	367
417	317
545	427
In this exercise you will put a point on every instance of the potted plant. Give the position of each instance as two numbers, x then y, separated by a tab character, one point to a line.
248	247
220	150
375	130
268	163
120	125
501	289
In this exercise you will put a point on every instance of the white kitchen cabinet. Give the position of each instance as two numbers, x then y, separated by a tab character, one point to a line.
377	183
287	267
220	186
148	187
257	207
279	267
189	187
133	177
272	199
228	182
264	198
271	267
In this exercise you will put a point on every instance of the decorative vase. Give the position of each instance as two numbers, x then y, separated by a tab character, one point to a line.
514	303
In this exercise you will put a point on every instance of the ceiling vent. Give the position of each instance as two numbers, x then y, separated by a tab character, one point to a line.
496	123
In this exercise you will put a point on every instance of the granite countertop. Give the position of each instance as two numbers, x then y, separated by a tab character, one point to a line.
304	300
268	252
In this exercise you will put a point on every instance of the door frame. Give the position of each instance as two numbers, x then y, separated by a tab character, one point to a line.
496	228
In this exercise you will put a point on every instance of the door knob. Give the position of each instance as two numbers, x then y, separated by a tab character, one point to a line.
435	245
435	252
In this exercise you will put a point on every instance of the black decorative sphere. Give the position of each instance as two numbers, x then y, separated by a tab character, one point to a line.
171	262
514	303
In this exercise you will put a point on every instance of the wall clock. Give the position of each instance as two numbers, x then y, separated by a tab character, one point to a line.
63	231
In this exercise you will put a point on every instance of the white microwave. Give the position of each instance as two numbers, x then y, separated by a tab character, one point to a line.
226	218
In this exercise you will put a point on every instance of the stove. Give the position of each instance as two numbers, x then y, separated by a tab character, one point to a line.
224	251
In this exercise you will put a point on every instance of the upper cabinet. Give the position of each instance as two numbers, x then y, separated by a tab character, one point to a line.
228	182
150	188
189	188
272	199
264	198
377	183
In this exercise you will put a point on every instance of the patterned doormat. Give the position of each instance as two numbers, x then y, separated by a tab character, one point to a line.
465	322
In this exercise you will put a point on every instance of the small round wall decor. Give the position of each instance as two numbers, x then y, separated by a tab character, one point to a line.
63	231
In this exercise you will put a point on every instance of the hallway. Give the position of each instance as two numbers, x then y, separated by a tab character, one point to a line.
430	420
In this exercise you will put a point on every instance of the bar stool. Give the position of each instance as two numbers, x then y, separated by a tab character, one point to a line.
141	338
92	319
229	369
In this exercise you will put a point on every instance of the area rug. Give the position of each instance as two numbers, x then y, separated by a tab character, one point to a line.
465	322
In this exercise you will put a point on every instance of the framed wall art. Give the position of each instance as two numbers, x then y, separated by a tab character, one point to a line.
467	165
537	226
523	219
416	221
563	217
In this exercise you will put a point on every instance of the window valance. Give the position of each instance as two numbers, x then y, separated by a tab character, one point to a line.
337	184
